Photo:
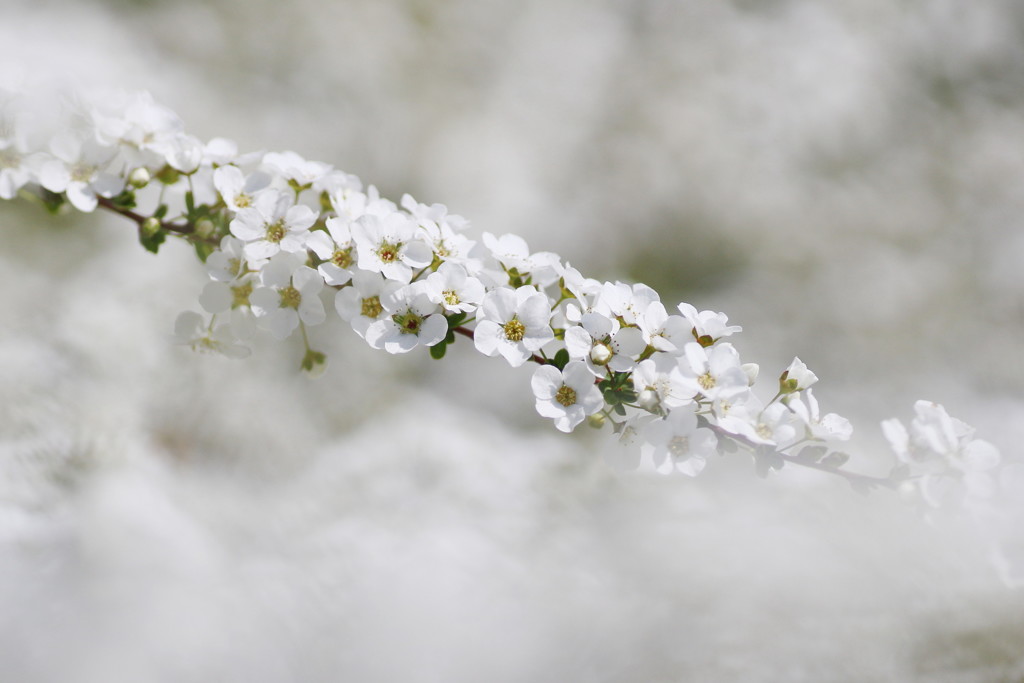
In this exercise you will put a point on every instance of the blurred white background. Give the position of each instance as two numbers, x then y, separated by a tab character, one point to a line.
843	180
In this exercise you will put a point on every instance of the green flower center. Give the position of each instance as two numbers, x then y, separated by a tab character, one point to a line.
566	396
240	294
387	252
342	258
408	322
706	381
515	330
242	200
371	307
82	173
290	297
679	446
450	297
276	232
9	158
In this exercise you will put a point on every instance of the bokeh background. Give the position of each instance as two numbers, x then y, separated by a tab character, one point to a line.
843	179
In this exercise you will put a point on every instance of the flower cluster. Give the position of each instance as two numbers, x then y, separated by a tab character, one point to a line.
287	241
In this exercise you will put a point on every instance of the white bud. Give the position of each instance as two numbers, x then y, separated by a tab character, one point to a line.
752	370
600	354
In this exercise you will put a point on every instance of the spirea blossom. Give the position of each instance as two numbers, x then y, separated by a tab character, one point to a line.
279	234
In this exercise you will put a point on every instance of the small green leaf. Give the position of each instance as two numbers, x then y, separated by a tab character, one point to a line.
203	250
561	359
455	319
812	454
125	200
52	201
835	460
437	351
314	362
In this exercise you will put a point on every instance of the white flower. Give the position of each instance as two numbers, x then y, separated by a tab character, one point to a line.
14	169
389	245
228	262
335	247
676	443
604	345
412	320
290	293
659	382
568	395
771	426
238	189
293	167
452	287
829	427
79	170
271	225
360	303
145	130
513	323
937	441
664	332
628	303
708	326
796	377
512	252
233	298
715	373
190	329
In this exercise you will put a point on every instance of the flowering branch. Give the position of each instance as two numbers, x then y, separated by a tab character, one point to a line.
278	234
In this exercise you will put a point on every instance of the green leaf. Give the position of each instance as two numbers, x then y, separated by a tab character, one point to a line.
835	460
125	200
152	241
52	201
812	453
561	359
455	319
314	362
437	351
203	250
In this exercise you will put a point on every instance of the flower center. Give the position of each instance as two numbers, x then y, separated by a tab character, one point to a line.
235	266
679	446
450	297
8	158
342	258
240	295
387	252
566	396
82	173
276	232
408	322
706	381
242	200
290	297
764	431
371	307
515	331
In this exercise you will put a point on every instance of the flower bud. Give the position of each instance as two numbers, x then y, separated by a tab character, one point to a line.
752	370
648	399
596	420
600	354
150	226
139	177
205	228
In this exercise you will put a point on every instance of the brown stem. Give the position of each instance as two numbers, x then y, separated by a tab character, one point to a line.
466	332
186	230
